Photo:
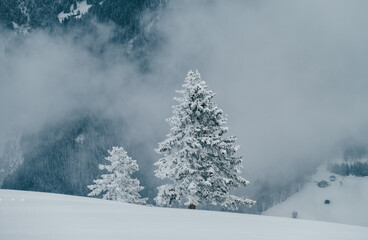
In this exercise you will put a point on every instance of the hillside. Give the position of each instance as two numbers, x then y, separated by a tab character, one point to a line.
32	215
348	198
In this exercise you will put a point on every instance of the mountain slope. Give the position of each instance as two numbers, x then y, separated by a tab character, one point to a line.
130	22
64	157
31	215
54	161
46	13
348	198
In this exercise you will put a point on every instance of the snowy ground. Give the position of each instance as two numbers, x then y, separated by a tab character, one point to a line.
348	200
82	8
31	215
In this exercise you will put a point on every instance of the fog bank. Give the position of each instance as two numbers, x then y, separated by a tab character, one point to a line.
291	75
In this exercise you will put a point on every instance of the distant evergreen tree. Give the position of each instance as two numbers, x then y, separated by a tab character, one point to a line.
197	158
354	168
117	184
11	158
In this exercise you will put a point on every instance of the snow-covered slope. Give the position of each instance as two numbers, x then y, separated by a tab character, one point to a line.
31	215
348	198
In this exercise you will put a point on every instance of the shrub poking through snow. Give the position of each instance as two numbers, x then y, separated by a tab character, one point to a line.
323	184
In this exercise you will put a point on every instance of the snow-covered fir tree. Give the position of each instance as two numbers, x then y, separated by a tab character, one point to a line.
117	184
198	160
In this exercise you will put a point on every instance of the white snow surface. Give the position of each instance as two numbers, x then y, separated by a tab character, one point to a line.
348	200
80	139
82	7
44	216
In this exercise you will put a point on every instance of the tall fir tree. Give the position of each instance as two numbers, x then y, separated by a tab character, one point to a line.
198	159
118	185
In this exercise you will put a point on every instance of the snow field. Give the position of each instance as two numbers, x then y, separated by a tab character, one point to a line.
348	200
44	216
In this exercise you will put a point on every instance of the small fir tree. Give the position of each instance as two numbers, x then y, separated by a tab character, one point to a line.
117	184
198	159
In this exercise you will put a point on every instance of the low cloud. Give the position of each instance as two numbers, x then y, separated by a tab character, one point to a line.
291	75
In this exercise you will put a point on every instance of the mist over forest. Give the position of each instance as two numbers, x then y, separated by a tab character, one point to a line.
290	75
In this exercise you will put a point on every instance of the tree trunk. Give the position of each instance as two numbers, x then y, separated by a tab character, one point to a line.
192	206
